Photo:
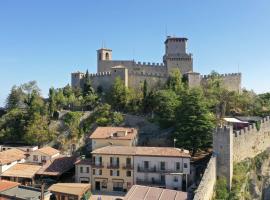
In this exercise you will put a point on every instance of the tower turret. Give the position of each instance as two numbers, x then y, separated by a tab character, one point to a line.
103	55
176	55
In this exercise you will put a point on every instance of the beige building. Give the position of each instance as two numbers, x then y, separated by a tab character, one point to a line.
120	136
43	154
117	168
11	157
83	171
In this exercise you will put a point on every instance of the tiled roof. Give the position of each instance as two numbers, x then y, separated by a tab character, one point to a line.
83	162
5	185
57	166
11	155
142	151
48	150
138	192
22	170
110	132
70	188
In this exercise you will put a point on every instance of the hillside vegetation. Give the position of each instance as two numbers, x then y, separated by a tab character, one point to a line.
184	115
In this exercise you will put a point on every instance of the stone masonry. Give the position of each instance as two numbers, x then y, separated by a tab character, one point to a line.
134	73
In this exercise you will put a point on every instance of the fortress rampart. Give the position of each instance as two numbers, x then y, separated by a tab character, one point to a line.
231	147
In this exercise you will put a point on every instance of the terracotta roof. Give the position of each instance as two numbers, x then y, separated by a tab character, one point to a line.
22	170
57	166
138	192
48	150
70	188
142	151
11	155
83	162
6	185
111	132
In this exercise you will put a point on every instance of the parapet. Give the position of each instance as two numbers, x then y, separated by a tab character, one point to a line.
100	74
148	64
252	127
222	75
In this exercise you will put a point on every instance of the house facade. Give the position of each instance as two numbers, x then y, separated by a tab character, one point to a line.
117	168
83	171
43	154
118	136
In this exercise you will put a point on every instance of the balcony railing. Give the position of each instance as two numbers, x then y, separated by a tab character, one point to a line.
152	182
127	166
157	170
112	166
97	165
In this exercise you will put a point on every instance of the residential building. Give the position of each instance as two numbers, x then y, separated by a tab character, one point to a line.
22	173
43	154
70	191
117	168
120	136
26	148
14	191
138	192
10	158
83	171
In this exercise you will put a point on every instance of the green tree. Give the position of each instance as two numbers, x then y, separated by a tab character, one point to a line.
174	81
52	102
194	122
166	102
15	98
120	95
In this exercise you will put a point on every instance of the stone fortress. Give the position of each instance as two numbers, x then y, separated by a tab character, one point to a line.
134	73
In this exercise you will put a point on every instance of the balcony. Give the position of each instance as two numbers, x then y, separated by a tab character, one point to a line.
127	166
112	166
97	165
155	169
153	182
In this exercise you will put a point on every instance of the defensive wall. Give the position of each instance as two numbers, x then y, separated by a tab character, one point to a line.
207	184
231	147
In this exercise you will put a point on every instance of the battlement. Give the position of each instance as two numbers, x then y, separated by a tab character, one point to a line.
252	127
147	74
100	74
148	64
222	75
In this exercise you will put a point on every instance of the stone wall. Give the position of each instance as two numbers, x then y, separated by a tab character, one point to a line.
231	82
206	188
249	142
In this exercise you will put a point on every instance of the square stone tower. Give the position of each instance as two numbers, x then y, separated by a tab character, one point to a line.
176	55
103	57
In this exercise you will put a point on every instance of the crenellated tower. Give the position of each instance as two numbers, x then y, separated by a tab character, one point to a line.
176	55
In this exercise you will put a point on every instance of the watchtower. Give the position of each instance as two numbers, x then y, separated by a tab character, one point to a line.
103	55
176	55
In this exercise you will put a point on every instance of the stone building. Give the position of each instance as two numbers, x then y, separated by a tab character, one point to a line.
134	73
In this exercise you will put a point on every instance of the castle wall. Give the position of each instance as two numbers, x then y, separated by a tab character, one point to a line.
103	79
154	80
132	66
249	142
206	188
231	82
184	64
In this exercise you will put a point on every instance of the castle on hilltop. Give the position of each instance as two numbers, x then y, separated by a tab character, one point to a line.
134	73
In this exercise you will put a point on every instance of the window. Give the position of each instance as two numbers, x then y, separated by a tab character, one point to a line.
177	166
87	169
128	173
185	165
94	171
162	165
104	184
118	173
175	179
62	197
100	172
81	169
128	161
146	164
35	157
111	172
107	56
43	158
114	172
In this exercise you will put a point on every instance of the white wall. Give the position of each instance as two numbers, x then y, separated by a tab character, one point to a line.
7	166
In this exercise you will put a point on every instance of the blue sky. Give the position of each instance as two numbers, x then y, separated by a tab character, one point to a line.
47	40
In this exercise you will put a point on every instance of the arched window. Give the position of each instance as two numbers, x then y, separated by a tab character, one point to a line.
107	56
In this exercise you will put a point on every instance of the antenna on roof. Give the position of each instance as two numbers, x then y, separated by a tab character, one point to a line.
166	32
